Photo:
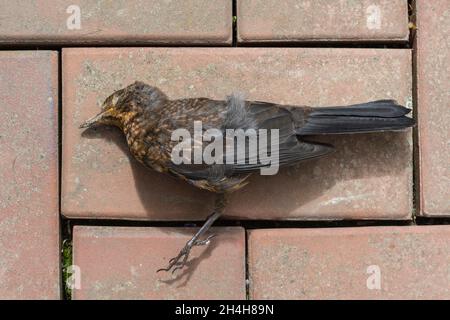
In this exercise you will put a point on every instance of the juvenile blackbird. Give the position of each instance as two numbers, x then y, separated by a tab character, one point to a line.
148	119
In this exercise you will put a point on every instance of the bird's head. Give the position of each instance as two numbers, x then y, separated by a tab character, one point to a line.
124	102
110	113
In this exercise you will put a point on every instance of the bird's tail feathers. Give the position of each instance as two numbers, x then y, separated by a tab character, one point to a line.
380	115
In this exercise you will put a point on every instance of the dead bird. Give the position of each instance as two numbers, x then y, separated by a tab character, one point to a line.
150	121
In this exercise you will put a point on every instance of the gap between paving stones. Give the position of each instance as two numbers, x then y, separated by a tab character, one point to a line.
416	173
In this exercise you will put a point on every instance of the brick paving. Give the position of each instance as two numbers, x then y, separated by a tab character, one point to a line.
350	263
29	235
433	75
118	22
322	20
121	263
369	177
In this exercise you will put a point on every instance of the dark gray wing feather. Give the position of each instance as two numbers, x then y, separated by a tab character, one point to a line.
257	115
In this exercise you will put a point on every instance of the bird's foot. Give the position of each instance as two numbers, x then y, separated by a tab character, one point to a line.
180	260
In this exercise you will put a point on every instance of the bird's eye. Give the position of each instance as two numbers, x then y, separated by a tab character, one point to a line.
114	100
110	102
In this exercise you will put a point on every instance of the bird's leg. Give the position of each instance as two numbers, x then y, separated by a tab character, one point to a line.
180	260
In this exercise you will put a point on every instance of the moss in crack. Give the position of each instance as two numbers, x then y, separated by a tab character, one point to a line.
234	30
412	16
66	263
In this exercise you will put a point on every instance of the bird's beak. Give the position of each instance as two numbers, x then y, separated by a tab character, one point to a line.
94	120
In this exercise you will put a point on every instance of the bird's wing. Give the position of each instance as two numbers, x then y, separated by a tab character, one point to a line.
247	115
291	150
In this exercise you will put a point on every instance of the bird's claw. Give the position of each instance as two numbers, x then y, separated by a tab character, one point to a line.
175	262
204	242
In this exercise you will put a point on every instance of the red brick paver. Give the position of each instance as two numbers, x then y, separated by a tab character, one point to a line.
29	240
322	20
124	22
433	73
368	177
121	263
350	263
